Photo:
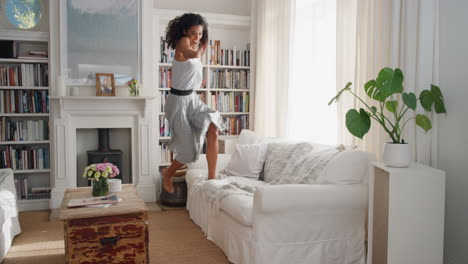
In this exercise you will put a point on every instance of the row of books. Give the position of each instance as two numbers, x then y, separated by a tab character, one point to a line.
167	53
230	79
235	124
23	192
230	101
23	101
216	54
24	158
165	153
164	95
23	130
165	76
164	127
231	57
24	74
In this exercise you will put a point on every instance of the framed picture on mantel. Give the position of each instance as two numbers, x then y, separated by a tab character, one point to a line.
105	84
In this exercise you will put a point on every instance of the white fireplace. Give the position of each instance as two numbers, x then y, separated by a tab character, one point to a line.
69	113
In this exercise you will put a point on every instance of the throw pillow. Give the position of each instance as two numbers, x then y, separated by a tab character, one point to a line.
246	161
247	137
347	167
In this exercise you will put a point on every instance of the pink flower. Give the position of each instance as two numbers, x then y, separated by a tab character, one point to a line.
101	167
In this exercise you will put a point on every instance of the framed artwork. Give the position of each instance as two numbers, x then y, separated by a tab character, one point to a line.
105	84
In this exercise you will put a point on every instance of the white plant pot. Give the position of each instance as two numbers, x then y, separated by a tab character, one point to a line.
397	155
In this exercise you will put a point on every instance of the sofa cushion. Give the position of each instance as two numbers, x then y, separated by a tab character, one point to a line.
239	207
347	167
246	161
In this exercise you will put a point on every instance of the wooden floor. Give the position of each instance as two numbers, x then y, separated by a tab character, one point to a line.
174	239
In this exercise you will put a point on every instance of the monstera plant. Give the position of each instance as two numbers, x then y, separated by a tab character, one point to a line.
388	111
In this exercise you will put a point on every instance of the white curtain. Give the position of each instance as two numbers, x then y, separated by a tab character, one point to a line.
273	22
417	54
372	34
313	73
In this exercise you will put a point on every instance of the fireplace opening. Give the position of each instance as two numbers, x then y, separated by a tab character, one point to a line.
104	145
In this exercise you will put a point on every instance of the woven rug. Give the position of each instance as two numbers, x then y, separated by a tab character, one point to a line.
174	239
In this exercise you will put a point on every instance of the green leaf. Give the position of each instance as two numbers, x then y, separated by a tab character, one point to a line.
373	91
438	99
390	81
374	109
410	100
436	91
338	95
391	106
427	99
358	123
424	122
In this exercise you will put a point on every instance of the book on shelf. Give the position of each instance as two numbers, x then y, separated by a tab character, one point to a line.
32	57
230	101
166	156
40	189
24	74
231	57
234	125
21	185
24	101
38	53
230	79
23	130
167	53
80	202
24	158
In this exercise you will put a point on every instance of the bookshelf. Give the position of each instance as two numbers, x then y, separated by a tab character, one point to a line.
227	64
24	118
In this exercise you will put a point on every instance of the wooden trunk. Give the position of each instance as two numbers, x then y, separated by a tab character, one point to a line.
117	234
109	239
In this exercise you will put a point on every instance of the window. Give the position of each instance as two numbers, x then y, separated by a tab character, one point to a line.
101	36
24	14
313	73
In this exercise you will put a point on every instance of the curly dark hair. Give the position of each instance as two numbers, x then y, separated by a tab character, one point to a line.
176	27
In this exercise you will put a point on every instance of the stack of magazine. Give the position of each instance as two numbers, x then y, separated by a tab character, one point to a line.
102	201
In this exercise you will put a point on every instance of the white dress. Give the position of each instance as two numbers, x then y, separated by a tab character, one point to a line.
189	118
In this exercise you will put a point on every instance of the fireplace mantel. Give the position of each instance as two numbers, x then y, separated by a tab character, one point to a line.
69	113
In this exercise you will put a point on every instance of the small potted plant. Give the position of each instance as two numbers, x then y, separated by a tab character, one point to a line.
98	174
387	90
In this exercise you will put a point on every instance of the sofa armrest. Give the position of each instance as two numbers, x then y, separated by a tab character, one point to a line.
223	160
303	197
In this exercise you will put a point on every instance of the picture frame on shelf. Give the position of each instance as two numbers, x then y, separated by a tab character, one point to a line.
105	84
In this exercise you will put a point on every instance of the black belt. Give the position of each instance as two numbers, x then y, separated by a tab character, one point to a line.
181	92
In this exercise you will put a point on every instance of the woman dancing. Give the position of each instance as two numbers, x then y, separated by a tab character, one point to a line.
190	120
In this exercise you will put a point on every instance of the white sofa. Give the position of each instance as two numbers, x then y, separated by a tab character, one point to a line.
9	224
318	223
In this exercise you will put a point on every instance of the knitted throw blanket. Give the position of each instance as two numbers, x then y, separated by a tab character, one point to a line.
297	163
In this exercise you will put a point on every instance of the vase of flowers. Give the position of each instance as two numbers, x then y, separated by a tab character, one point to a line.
98	174
133	87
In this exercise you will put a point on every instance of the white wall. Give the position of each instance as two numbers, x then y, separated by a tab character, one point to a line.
453	141
237	7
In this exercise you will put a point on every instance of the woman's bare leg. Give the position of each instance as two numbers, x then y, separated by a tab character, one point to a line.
212	150
168	173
